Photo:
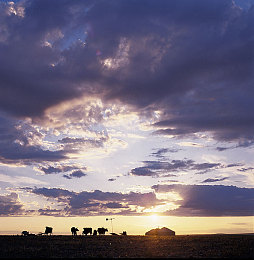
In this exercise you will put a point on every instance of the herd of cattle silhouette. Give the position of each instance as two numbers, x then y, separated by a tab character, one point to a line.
86	231
101	231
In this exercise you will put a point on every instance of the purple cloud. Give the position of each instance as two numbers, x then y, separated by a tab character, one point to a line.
10	206
196	200
15	146
95	202
161	168
206	200
192	60
75	174
214	180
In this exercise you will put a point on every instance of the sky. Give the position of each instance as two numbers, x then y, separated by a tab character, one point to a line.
135	110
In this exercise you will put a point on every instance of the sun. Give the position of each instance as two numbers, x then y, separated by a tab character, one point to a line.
154	217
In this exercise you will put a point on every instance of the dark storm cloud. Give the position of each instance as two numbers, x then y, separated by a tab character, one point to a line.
28	85
206	200
9	205
160	168
95	203
193	60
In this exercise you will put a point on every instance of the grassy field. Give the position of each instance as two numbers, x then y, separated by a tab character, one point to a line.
182	246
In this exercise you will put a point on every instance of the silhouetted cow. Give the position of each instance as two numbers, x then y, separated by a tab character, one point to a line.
74	231
48	230
87	231
25	233
102	231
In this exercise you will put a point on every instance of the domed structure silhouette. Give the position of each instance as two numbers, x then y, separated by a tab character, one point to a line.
160	232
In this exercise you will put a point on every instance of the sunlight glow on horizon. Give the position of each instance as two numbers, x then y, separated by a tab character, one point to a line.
134	225
154	217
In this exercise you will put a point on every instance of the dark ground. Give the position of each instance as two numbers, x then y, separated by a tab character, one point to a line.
182	246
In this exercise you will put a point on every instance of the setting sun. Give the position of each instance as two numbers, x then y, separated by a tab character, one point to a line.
154	217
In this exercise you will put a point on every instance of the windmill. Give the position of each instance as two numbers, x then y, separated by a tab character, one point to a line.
110	219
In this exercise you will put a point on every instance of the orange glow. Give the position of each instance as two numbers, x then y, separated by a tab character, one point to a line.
134	225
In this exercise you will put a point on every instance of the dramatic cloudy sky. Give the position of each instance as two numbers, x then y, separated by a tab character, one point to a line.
127	108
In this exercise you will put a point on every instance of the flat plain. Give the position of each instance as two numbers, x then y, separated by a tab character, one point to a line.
108	246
